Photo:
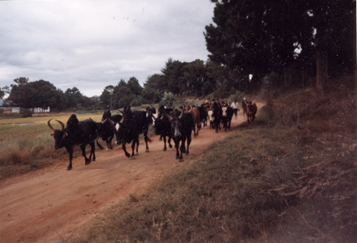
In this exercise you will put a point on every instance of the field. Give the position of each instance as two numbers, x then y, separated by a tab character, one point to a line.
290	176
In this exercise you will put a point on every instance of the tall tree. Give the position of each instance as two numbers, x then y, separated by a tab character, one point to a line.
173	76
258	37
134	86
154	88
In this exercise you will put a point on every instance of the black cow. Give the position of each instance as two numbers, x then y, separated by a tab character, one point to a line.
132	124
181	130
107	130
76	133
227	114
163	126
203	114
217	116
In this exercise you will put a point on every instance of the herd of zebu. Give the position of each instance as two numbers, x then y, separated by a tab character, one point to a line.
170	124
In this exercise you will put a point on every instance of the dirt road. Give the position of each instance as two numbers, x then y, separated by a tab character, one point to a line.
45	205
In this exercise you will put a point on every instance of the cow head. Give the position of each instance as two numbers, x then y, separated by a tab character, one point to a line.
118	127
176	123
58	135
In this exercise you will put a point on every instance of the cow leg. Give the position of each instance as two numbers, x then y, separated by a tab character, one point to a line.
124	148
164	143
109	143
133	147
70	152
170	141
87	160
146	142
177	143
135	142
188	145
182	149
92	152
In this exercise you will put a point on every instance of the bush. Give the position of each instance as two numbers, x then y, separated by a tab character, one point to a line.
26	113
137	101
168	99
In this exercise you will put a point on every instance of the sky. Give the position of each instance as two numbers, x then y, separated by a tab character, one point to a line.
90	44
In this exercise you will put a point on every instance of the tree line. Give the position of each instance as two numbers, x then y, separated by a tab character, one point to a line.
44	94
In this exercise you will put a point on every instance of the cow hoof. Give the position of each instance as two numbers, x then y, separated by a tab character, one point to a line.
147	151
164	149
69	168
127	155
181	160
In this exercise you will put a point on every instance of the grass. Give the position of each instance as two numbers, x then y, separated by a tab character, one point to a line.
289	176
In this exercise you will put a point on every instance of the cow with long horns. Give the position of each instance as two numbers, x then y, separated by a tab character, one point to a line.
78	133
132	124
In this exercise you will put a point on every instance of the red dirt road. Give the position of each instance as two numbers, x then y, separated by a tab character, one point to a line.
51	203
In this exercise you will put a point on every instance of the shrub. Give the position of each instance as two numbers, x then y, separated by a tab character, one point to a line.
137	101
26	113
168	99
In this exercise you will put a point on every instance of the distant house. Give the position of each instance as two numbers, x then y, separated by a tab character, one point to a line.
10	110
40	110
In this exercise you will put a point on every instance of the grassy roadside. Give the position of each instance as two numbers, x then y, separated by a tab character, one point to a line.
288	177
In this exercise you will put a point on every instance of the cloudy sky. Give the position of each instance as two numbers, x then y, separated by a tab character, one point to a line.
90	44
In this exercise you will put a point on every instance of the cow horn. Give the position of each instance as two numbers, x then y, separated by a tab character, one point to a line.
110	120
122	120
104	121
61	124
49	124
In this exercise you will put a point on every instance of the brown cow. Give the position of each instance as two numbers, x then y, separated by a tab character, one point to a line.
195	113
251	111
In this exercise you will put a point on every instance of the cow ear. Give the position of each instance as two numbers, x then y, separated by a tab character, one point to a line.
52	134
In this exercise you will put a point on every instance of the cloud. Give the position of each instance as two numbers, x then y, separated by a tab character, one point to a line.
91	44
